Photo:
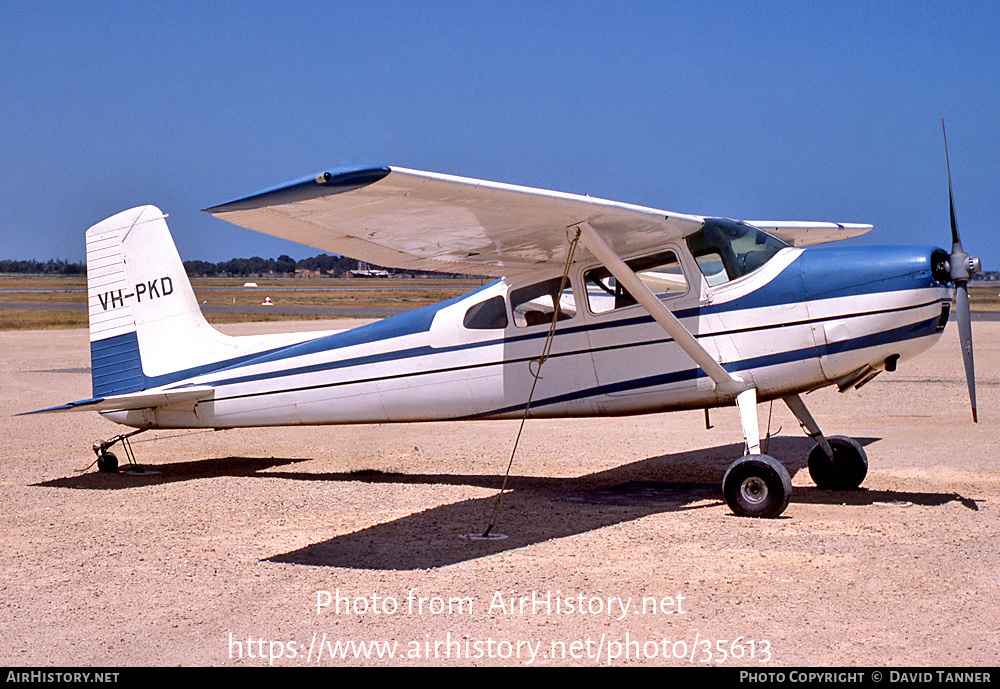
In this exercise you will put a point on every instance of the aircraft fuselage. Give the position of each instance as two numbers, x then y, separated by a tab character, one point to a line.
805	319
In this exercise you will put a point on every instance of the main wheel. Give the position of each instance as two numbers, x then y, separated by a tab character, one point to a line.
107	463
845	471
757	486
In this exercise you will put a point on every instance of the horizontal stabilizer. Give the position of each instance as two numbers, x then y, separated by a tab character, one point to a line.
147	399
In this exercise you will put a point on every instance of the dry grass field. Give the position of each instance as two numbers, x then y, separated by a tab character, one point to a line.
36	303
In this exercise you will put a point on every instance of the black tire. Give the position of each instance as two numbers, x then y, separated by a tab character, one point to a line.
757	486
107	463
845	471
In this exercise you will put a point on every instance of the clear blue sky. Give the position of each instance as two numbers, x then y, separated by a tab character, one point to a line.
782	110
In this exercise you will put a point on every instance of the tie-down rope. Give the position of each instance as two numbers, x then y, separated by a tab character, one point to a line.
536	374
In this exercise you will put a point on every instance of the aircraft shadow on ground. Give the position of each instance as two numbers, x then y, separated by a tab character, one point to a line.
171	472
533	509
540	509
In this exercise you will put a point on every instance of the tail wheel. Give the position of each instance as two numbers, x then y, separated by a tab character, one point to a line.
757	486
107	463
845	470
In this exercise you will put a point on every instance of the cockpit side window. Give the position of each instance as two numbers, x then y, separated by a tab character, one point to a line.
660	272
726	249
534	304
487	315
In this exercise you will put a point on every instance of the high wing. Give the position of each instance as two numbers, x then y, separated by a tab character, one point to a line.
426	221
806	233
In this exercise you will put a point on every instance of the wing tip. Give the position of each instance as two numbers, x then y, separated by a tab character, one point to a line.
326	183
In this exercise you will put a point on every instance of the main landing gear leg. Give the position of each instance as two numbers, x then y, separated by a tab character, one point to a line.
107	462
755	485
837	462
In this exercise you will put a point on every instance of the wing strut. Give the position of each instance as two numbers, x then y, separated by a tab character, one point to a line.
725	382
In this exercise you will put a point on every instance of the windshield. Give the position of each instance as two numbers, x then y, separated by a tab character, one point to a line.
726	249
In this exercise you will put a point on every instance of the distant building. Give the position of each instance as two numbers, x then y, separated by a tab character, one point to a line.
364	271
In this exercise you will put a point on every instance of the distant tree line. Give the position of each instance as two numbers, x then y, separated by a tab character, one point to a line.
283	265
50	267
236	267
332	266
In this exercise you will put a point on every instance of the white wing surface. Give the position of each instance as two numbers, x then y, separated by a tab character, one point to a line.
806	233
427	221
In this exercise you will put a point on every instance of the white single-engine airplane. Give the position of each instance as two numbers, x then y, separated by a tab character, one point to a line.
638	310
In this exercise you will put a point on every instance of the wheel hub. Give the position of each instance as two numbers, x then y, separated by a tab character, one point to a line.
753	490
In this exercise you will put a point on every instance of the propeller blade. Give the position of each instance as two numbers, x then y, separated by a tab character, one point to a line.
965	337
956	242
961	267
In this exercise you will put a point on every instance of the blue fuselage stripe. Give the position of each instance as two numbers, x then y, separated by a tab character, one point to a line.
923	328
908	332
896	268
424	351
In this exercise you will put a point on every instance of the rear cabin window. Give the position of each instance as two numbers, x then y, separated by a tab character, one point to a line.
534	304
487	315
661	273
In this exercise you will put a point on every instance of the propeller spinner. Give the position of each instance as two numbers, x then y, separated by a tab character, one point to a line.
961	267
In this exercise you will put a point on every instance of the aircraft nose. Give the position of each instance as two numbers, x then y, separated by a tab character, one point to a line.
830	272
874	306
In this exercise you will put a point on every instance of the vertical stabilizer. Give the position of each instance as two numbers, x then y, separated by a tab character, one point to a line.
145	322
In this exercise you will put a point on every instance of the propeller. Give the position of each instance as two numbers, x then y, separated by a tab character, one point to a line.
961	267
